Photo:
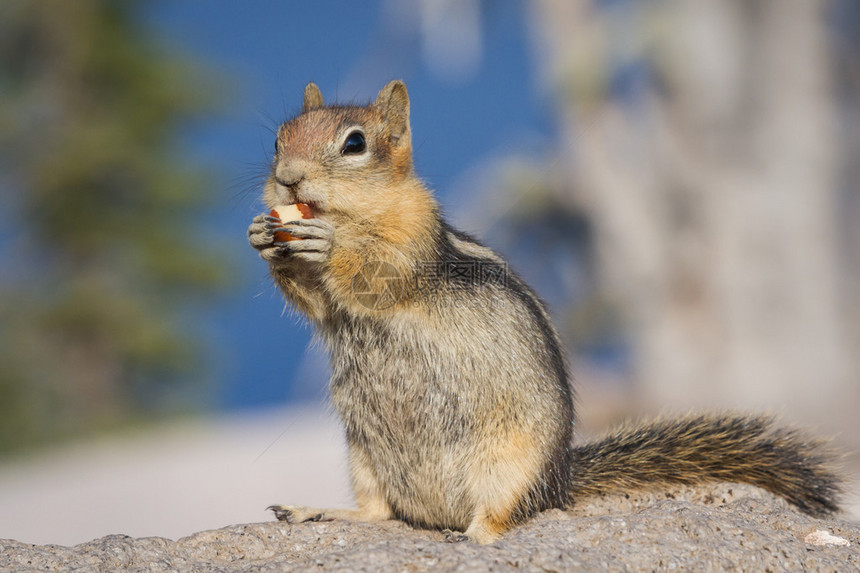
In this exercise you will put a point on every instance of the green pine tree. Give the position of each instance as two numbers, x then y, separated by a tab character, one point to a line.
100	267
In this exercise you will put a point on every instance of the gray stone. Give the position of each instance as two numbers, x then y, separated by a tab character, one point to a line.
723	527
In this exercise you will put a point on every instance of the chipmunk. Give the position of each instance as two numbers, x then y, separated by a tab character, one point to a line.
447	372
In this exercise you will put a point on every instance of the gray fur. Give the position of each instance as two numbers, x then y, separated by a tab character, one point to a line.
421	392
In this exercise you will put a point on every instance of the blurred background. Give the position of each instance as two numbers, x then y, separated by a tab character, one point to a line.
679	179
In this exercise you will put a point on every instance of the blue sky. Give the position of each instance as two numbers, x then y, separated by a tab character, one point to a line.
268	51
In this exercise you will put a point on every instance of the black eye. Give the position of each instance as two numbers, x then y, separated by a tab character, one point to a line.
277	146
354	144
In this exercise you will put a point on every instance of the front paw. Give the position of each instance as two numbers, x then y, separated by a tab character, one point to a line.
314	238
261	236
313	242
296	513
260	233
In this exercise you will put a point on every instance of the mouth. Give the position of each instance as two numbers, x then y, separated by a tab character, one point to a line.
314	201
314	206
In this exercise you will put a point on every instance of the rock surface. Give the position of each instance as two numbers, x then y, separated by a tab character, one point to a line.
723	527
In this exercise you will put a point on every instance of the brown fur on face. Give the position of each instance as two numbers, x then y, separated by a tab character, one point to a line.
381	211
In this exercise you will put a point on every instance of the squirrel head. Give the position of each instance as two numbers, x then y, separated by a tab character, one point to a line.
346	161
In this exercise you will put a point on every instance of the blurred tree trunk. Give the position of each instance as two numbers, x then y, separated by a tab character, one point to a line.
700	136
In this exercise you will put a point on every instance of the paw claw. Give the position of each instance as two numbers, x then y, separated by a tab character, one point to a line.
454	536
297	514
281	513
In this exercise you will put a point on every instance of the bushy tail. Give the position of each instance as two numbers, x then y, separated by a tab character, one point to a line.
695	449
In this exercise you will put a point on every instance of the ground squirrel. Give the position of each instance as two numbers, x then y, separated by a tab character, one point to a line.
447	373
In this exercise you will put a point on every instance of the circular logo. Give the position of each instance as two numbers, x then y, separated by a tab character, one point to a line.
378	285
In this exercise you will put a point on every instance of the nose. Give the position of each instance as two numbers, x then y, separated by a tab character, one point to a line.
290	173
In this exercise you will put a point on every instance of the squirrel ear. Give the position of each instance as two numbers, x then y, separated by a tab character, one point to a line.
313	97
393	101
